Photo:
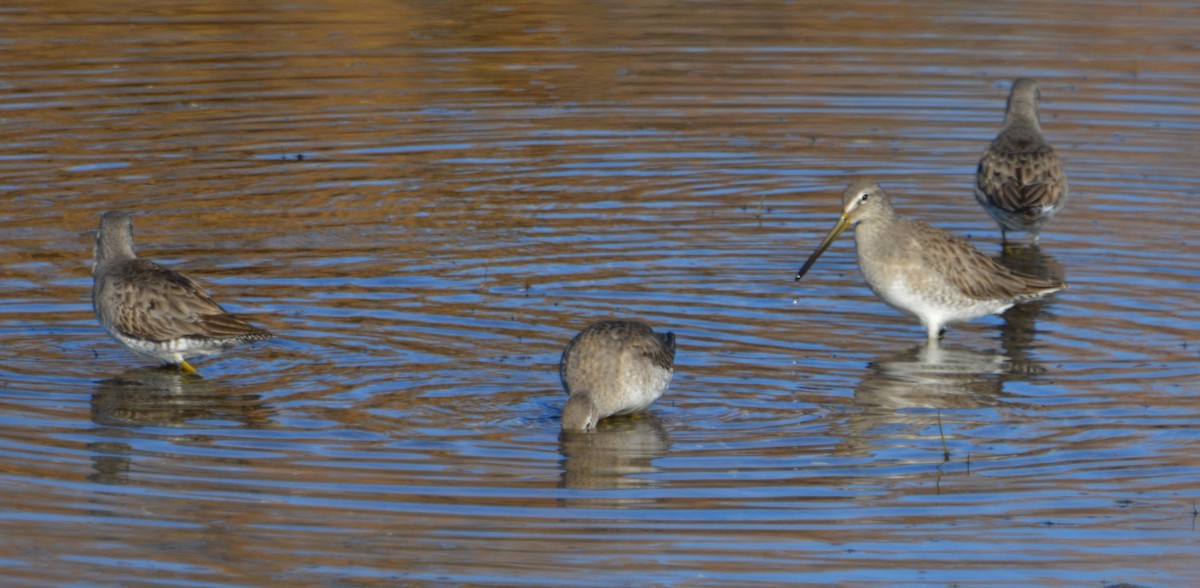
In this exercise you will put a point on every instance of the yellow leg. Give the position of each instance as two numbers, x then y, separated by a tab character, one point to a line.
187	368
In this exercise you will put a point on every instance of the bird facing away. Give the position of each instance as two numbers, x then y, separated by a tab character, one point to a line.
612	368
156	312
922	270
1020	181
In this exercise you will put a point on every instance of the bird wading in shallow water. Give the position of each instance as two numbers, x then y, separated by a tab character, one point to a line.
612	368
922	270
1020	181
157	312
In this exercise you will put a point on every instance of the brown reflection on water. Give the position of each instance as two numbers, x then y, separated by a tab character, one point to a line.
1020	322
619	454
162	397
928	376
932	375
166	397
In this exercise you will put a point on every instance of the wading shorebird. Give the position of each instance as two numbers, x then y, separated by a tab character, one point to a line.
1020	181
612	368
157	312
922	270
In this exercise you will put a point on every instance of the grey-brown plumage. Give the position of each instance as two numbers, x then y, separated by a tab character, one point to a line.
612	368
1020	181
922	270
154	311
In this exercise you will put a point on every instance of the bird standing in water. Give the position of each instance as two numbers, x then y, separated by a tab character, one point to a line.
612	368
154	311
922	270
1020	181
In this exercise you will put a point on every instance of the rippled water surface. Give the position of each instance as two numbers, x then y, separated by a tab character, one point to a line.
426	200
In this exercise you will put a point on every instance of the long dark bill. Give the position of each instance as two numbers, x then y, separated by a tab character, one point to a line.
837	230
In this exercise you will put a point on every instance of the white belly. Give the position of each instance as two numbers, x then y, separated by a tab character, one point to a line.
932	301
640	387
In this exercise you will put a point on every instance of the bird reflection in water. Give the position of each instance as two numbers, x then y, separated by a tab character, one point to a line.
928	376
163	397
619	454
1016	333
157	397
933	376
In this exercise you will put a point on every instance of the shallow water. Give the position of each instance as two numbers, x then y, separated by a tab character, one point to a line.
425	201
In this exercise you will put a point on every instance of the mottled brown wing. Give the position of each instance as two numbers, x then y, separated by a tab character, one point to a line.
610	339
564	362
1021	174
973	273
640	339
660	348
159	304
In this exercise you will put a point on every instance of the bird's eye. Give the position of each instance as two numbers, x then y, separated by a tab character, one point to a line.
865	196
